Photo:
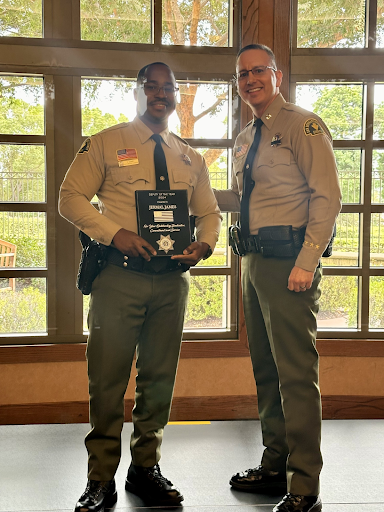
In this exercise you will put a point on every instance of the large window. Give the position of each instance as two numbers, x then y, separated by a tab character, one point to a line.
53	95
22	185
330	41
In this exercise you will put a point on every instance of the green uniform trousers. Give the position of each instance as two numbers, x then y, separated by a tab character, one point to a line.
281	328
131	311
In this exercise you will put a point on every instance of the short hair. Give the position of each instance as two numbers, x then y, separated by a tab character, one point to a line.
141	73
262	47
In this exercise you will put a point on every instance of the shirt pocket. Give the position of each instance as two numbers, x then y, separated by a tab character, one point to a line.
274	158
238	169
132	176
183	180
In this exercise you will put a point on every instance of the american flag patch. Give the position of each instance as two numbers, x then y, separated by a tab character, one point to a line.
241	150
163	216
127	157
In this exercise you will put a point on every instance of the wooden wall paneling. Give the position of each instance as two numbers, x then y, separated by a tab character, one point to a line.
281	41
192	408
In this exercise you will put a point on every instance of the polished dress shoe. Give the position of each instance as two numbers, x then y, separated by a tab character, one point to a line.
97	496
298	503
260	480
152	487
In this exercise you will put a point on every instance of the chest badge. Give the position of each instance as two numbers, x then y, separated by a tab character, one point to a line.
127	156
186	159
276	140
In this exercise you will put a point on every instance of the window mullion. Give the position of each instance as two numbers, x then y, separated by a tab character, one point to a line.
366	221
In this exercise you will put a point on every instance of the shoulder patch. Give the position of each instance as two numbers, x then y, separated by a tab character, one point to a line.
312	127
85	147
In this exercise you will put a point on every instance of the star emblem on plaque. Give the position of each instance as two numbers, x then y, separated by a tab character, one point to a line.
165	243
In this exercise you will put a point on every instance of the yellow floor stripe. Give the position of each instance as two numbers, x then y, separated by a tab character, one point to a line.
189	423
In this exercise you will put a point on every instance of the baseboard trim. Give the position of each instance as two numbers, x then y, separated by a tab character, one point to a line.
192	408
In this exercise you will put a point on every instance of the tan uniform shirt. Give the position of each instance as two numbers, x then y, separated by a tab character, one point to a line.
295	176
96	170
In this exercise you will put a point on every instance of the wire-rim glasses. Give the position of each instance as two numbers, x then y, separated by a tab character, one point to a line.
155	89
256	71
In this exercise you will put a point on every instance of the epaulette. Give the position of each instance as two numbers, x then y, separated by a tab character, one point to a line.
111	128
295	108
177	137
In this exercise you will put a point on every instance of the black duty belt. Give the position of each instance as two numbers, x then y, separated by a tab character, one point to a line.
138	264
278	241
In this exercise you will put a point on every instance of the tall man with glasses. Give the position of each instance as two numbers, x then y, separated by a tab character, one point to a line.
285	186
138	301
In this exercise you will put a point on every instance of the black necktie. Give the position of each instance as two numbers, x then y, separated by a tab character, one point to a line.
248	182
162	181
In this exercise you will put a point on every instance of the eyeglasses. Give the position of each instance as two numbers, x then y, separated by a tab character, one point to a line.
155	89
256	71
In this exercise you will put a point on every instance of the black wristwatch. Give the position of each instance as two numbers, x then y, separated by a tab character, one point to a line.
208	253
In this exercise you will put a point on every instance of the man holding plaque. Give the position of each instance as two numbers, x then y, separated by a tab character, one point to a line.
139	299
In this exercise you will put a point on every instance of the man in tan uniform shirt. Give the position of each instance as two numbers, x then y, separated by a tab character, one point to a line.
295	183
137	304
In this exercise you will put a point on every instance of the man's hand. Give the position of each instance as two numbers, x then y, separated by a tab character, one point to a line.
192	254
300	280
132	244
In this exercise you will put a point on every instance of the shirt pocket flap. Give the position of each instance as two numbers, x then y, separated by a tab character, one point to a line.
238	164
271	159
129	175
183	176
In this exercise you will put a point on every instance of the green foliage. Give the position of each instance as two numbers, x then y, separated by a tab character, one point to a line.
340	107
376	301
22	173
22	311
21	116
30	252
93	120
205	298
118	21
339	298
21	18
331	23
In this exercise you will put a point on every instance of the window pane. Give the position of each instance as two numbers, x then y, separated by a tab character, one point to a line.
21	18
23	307
377	240
346	244
378	122
338	302
349	167
217	162
380	24
126	21
207	304
22	173
378	176
203	110
26	230
105	103
22	105
331	24
376	301
196	23
340	107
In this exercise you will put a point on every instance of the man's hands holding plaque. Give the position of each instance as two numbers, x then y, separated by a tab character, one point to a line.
192	254
132	244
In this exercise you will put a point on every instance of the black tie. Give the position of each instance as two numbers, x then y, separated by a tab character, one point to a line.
248	182
162	181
